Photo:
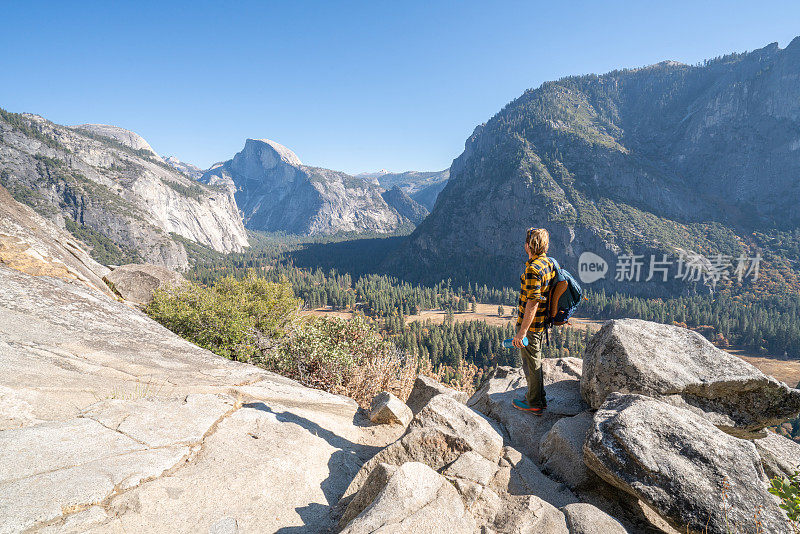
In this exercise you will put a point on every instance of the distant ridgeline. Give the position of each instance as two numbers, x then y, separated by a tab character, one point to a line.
108	187
423	187
669	159
277	193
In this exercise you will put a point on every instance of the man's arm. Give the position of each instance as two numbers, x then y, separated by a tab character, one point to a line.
527	319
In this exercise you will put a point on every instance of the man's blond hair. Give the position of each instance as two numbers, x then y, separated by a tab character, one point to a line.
538	240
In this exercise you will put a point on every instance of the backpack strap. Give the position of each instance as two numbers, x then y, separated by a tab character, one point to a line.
547	324
556	266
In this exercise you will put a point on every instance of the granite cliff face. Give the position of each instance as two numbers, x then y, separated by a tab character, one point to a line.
648	160
422	186
276	192
405	205
31	244
107	185
126	137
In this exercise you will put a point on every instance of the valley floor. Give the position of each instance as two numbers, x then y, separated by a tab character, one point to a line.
785	370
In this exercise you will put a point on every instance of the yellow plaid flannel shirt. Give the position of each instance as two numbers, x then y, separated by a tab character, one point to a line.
535	284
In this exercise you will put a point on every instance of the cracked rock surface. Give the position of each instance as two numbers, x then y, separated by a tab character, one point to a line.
682	368
111	423
680	464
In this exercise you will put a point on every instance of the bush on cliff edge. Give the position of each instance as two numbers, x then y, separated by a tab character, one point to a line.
236	318
256	321
345	356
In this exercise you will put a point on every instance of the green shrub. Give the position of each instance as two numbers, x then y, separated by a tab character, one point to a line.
236	318
788	491
256	321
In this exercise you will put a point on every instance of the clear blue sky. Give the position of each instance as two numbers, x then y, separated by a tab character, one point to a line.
352	86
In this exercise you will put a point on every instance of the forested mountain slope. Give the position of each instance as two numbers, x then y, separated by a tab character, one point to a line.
654	160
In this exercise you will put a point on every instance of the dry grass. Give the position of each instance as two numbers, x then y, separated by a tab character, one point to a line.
461	379
394	373
483	312
787	371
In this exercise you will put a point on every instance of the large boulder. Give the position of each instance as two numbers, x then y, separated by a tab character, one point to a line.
504	513
694	475
472	467
519	475
435	447
503	490
561	450
683	368
493	508
415	499
504	384
559	369
583	518
374	484
780	456
136	282
385	409
437	436
446	412
425	388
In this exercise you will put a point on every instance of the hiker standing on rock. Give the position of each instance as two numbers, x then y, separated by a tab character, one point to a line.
532	316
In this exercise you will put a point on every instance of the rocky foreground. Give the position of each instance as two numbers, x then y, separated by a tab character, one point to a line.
111	423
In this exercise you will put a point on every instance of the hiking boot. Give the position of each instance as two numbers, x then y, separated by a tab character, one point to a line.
522	404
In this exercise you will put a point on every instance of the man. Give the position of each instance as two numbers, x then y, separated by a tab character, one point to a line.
533	311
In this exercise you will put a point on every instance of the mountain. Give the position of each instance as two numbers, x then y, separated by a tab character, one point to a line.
405	205
421	186
276	192
111	190
427	195
192	171
126	137
373	176
651	160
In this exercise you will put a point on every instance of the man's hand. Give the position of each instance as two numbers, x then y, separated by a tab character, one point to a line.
517	341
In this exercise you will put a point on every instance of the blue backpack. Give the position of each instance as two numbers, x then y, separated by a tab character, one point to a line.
569	300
